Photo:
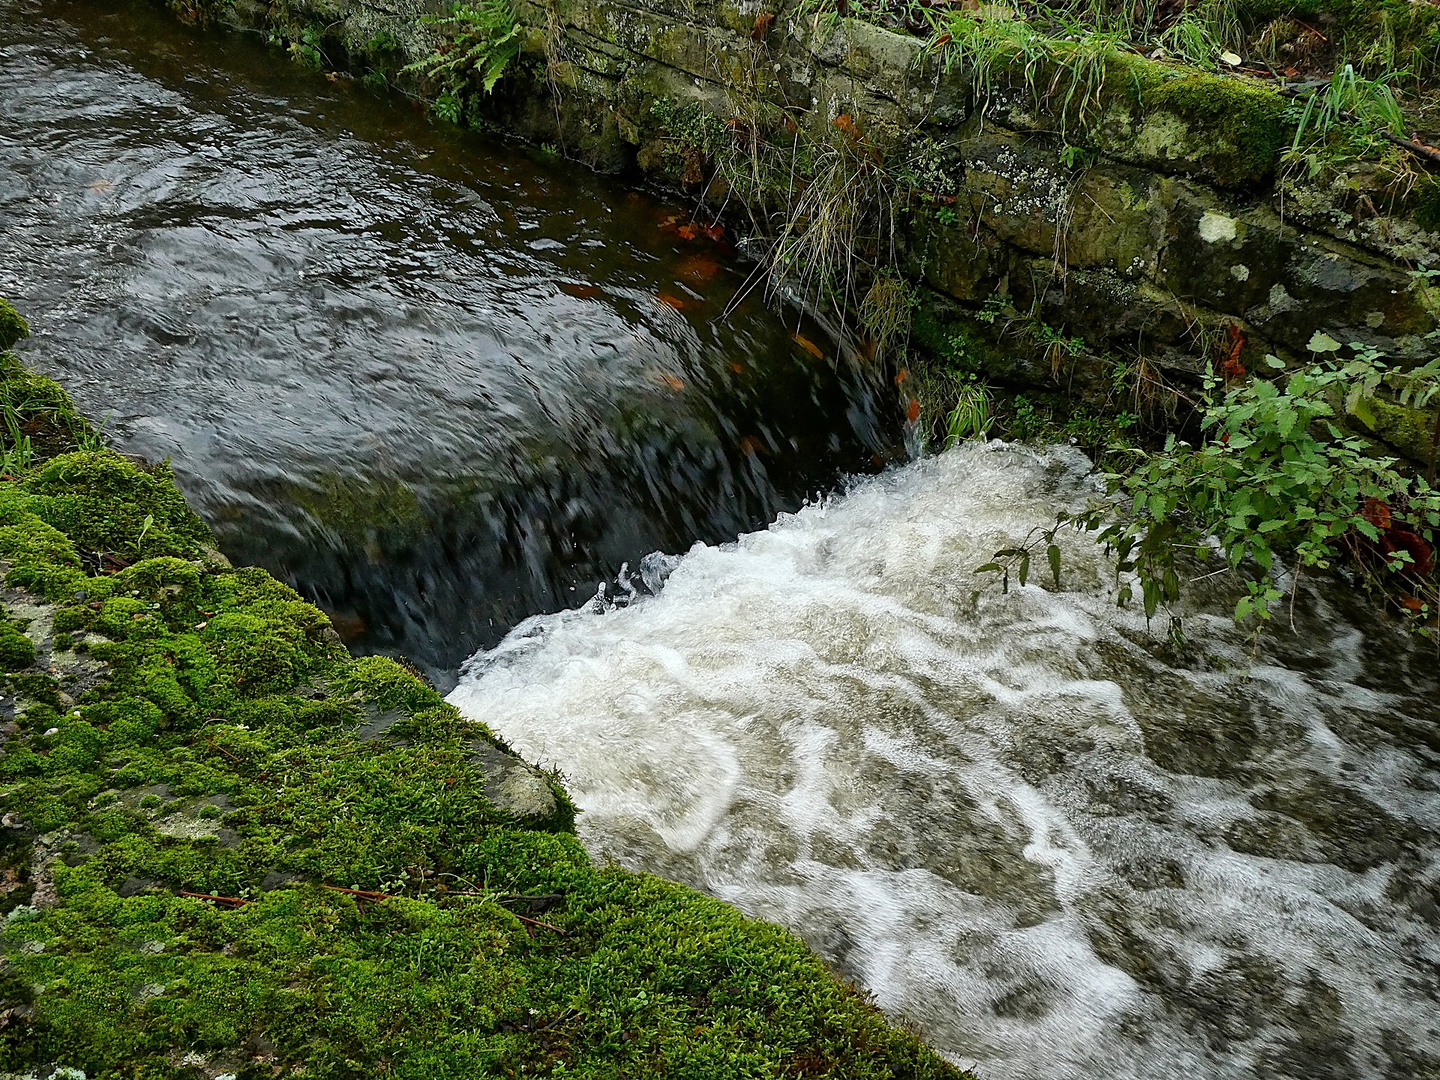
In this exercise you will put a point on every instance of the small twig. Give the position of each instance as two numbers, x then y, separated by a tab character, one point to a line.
1420	149
216	746
523	918
1213	573
1294	590
537	922
1312	29
218	899
359	892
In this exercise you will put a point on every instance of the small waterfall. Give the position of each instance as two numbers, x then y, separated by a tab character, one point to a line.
1059	843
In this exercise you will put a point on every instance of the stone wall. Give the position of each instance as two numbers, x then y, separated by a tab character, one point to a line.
1169	224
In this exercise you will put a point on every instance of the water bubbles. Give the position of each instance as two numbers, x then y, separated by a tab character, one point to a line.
1056	841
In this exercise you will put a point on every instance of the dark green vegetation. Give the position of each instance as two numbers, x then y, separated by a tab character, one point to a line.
481	41
229	846
1275	482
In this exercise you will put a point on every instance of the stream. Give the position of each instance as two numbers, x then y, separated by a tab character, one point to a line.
1061	845
446	387
435	382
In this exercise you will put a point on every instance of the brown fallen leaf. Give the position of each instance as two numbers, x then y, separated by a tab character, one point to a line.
699	269
808	345
1231	367
1377	513
672	301
579	291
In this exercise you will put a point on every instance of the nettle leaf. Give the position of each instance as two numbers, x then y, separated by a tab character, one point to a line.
1171	584
1285	422
1363	412
1264	481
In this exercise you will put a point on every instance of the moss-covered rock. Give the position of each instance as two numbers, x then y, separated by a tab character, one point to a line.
228	847
1228	130
13	327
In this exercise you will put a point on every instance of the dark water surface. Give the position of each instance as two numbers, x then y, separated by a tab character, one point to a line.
436	382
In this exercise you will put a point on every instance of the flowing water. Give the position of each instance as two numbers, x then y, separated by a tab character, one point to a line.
435	383
441	384
1062	844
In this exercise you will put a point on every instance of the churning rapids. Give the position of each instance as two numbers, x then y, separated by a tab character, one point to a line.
1058	844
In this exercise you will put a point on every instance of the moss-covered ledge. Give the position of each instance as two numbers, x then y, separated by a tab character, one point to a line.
229	848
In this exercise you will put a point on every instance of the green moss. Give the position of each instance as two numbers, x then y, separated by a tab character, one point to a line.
105	503
690	134
16	650
1246	121
357	507
13	326
230	695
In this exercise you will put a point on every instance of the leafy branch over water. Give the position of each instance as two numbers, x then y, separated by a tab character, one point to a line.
1276	478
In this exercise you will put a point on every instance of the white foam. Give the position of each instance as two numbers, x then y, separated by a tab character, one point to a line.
1010	815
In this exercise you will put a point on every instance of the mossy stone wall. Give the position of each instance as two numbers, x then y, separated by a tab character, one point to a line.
1169	226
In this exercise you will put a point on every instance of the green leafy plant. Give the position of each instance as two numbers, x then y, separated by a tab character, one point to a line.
1276	478
971	416
450	106
307	49
484	38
